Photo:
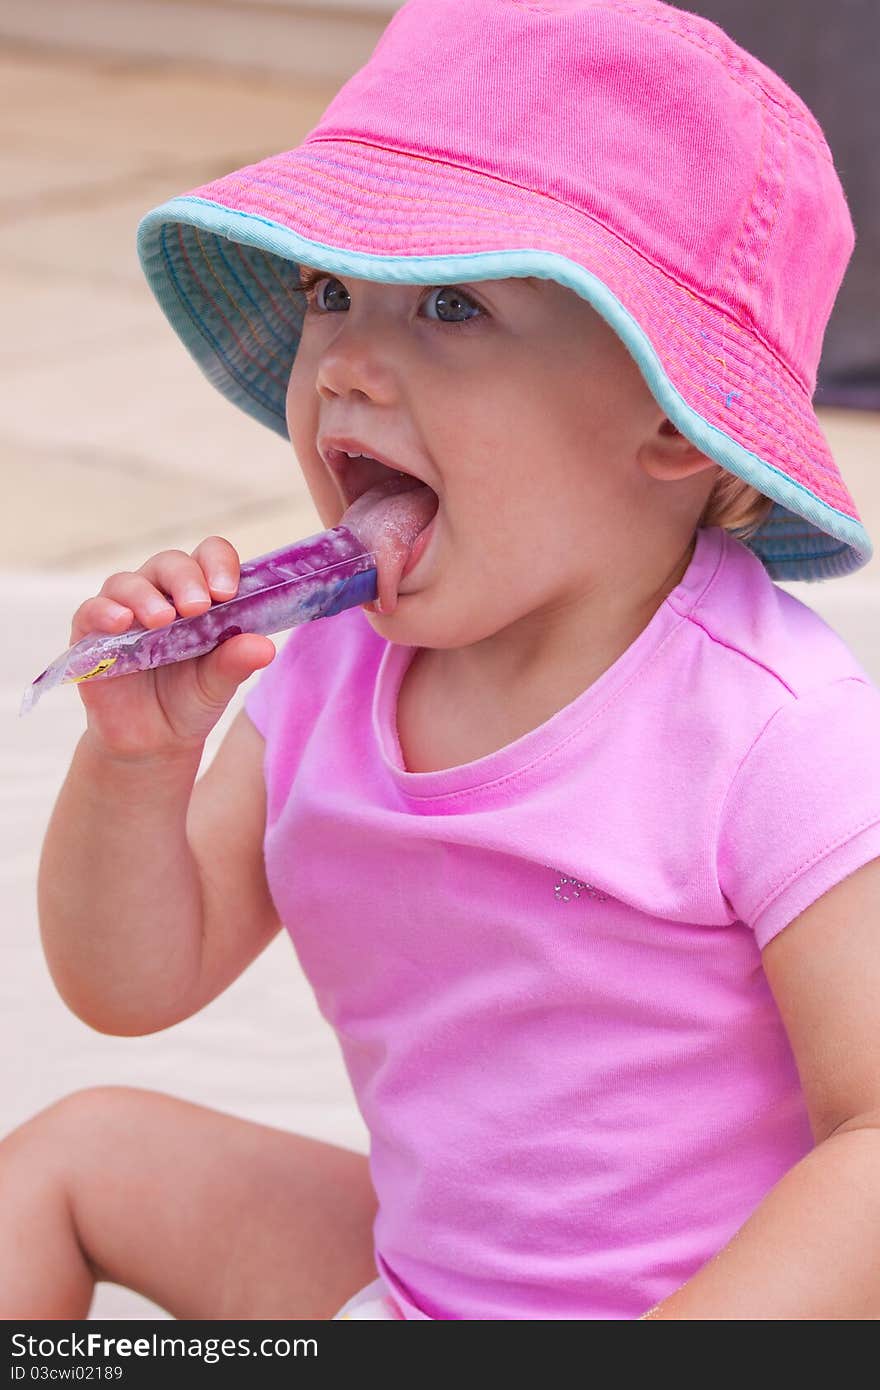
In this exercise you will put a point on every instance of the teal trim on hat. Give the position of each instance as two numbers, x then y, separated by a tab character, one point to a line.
243	330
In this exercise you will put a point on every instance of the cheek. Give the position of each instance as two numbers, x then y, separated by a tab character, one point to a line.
302	426
301	404
510	463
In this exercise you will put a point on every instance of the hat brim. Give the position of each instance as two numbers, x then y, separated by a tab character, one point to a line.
223	264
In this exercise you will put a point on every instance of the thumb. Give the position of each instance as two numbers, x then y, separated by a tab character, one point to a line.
223	670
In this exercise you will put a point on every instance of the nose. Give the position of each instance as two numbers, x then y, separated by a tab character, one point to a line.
359	362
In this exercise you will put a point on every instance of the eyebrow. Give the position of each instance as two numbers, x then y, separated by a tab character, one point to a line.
307	272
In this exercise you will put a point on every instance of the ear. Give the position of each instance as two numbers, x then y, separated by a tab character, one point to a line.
667	455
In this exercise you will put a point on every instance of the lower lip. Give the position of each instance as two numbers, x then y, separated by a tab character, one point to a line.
420	546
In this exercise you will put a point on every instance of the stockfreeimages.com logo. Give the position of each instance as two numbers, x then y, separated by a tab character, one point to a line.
95	1346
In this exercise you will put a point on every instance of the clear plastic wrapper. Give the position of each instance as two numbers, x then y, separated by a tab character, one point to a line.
313	578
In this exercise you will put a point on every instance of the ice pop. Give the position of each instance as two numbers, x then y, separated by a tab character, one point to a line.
350	564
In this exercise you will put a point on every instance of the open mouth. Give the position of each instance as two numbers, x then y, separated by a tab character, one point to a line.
355	476
389	509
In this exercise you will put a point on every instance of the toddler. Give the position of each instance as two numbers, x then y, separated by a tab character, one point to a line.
576	835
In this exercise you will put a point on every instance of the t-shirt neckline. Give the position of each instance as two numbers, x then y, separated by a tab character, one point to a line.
533	747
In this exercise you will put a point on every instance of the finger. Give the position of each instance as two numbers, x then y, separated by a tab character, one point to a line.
151	605
181	578
222	671
169	583
219	562
99	614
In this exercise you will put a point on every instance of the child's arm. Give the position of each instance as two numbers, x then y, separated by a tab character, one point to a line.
151	888
152	893
809	1250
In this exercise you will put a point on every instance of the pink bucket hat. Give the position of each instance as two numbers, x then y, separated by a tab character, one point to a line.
628	150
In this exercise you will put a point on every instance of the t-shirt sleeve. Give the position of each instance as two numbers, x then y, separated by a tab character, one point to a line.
803	809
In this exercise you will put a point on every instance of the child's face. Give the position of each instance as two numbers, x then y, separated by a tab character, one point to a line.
523	411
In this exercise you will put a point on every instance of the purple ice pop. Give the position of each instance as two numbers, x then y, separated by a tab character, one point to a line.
364	556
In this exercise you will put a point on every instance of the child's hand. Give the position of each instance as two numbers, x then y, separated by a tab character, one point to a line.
172	708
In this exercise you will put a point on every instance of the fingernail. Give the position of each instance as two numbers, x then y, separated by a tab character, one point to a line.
224	582
156	605
194	595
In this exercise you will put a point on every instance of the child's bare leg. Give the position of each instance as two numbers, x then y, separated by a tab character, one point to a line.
207	1215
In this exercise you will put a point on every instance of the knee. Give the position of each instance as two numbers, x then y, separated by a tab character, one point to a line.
59	1129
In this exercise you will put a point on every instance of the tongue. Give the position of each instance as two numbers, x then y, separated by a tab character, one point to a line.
387	519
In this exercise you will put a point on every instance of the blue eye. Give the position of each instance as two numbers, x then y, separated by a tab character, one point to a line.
313	289
325	294
454	300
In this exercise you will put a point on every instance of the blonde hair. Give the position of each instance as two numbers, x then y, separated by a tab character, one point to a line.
736	506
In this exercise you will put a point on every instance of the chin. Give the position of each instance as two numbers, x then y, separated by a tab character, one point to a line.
399	626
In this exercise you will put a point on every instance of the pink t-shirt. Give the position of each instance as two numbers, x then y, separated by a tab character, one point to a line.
544	967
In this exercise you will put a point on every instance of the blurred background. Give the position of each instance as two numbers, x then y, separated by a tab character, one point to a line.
113	445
